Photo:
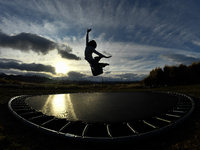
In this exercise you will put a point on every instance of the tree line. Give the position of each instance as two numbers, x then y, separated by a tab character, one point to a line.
174	75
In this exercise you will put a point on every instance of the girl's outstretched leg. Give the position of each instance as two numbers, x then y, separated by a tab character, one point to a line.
103	64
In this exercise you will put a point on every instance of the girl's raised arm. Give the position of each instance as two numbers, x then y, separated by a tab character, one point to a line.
87	36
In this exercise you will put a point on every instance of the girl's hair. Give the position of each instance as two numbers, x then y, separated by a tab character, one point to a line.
92	43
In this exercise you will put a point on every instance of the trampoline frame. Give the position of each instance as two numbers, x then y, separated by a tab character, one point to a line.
182	108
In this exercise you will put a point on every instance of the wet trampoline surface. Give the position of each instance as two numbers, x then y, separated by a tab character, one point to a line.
103	116
102	107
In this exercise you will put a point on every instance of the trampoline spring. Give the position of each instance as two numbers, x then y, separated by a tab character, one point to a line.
149	124
181	105
45	123
132	129
179	111
64	127
171	115
27	113
17	103
185	108
24	109
18	106
85	129
161	119
109	130
36	117
184	103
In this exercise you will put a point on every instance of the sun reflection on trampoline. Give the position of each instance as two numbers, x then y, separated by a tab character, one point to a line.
58	105
70	108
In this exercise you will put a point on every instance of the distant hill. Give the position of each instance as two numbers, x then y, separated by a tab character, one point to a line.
23	78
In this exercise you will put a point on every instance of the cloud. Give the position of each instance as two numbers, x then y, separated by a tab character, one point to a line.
28	41
196	43
18	72
179	58
74	74
107	72
65	52
148	23
15	64
5	60
131	76
126	75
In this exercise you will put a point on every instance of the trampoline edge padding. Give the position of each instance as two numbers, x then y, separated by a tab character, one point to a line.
103	139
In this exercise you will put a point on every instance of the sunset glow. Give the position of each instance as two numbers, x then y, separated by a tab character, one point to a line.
61	67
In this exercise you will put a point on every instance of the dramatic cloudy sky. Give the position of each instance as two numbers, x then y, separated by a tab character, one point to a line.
139	34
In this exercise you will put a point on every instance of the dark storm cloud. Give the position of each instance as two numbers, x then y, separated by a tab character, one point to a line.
178	58
74	74
9	60
65	52
67	55
36	43
20	72
26	42
25	67
107	72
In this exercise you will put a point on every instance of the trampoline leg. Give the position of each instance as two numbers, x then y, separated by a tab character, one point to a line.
45	123
171	115
85	130
64	127
40	116
163	120
149	124
132	129
179	111
109	130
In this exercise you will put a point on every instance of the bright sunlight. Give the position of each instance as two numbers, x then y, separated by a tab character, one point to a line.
61	67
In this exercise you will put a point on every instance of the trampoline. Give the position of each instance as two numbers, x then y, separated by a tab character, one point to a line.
103	116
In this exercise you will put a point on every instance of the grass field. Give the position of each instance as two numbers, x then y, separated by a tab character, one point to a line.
16	135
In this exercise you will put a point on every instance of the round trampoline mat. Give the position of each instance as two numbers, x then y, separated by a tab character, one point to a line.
102	107
103	116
